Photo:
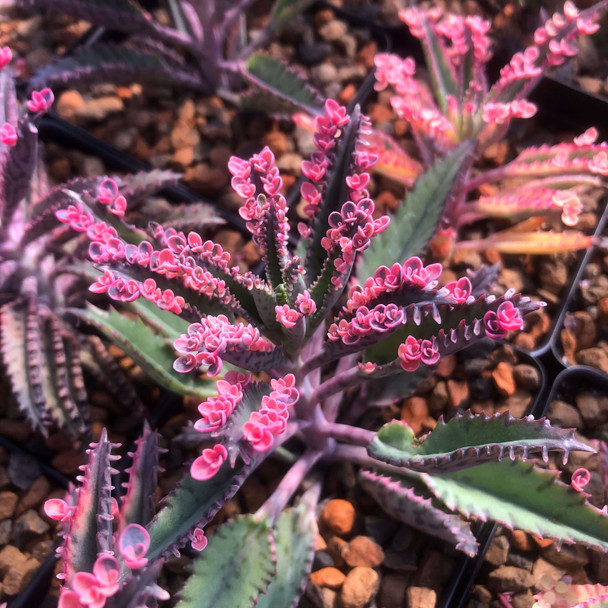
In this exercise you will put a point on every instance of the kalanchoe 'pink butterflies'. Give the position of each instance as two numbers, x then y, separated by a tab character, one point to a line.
133	545
40	101
58	509
8	134
580	478
5	56
199	540
208	463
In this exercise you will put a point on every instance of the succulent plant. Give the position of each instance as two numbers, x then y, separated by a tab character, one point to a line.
297	349
40	278
459	104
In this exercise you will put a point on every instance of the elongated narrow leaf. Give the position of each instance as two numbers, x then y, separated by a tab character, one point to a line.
122	15
468	440
149	350
139	501
234	569
416	219
192	504
519	495
535	243
276	82
294	535
91	526
404	500
392	161
114	63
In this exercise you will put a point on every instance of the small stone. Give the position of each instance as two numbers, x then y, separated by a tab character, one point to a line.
333	30
183	157
569	556
184	135
586	331
363	551
68	462
564	415
28	526
525	599
503	379
323	597
37	492
359	587
546	574
420	597
99	108
22	470
324	73
509	578
334	547
8	502
18	576
392	591
206	179
338	516
435	570
18	430
41	549
9	556
331	578
481	593
458	392
520	541
595	357
590	84
593	409
517	404
526	376
498	551
68	103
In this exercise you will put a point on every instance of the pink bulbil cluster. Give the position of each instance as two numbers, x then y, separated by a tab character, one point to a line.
216	410
209	462
8	134
258	182
350	231
271	418
108	194
502	113
506	318
328	129
91	590
40	101
415	351
213	338
380	319
388	280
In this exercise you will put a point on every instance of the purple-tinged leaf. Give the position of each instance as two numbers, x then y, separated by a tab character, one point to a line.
401	498
90	530
468	440
139	501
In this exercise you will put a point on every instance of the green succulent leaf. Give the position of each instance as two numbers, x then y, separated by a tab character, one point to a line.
408	501
235	568
150	351
294	536
274	81
520	495
415	221
192	504
468	440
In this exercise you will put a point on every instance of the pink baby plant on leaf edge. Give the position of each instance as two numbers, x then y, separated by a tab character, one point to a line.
313	344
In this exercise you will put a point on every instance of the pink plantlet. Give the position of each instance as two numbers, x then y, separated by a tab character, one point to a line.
58	509
6	55
88	589
580	478
199	540
8	134
40	101
410	353
133	544
588	138
69	599
107	570
286	316
209	462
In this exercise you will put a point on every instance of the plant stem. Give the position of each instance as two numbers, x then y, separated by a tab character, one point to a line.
337	383
347	433
358	455
289	484
332	404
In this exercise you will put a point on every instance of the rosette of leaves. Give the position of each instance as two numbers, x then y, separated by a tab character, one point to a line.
203	50
297	345
43	353
457	103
